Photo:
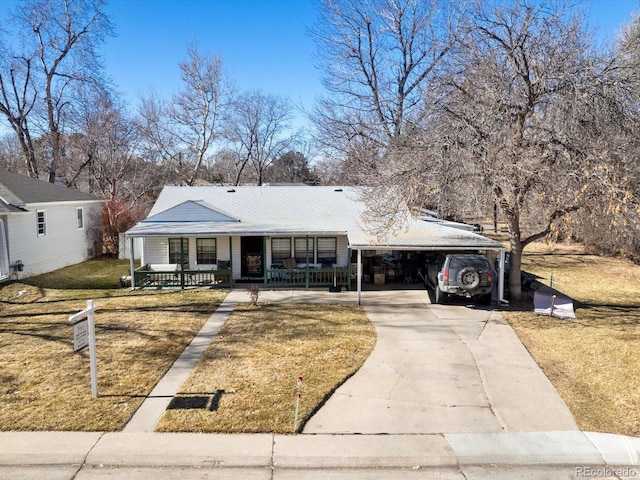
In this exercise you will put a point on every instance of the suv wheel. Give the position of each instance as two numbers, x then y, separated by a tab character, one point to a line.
468	278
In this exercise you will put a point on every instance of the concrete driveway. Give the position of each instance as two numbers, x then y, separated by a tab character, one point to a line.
442	369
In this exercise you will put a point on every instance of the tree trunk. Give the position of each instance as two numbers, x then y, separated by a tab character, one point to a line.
515	262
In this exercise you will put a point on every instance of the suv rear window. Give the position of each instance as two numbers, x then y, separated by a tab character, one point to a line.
461	261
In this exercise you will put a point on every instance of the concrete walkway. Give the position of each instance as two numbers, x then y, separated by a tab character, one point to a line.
148	415
442	369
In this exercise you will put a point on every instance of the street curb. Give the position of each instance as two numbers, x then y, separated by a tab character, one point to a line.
322	451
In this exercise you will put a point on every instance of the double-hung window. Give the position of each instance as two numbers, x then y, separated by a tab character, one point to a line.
280	250
176	246
300	250
327	251
41	221
206	251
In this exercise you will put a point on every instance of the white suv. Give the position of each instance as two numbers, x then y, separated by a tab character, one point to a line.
463	275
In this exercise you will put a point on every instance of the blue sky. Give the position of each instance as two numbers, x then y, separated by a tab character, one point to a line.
264	43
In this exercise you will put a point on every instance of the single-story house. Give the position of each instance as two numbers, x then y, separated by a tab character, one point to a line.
44	226
303	236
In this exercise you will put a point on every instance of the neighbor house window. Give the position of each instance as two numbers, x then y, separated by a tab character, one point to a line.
79	218
175	248
327	250
280	250
41	220
206	251
300	248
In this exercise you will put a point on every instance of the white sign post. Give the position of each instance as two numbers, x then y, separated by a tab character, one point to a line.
84	333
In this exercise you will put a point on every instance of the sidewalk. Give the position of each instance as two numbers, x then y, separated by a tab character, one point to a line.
66	455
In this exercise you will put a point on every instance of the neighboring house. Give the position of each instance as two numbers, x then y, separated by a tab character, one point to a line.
282	236
44	227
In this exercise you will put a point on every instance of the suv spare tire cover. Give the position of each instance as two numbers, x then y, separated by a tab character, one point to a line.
468	278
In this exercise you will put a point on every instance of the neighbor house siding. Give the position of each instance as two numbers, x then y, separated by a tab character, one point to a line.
63	243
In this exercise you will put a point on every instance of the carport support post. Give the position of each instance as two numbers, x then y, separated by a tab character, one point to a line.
501	257
132	263
359	277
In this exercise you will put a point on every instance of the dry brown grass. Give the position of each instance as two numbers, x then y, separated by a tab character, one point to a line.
249	374
592	361
44	385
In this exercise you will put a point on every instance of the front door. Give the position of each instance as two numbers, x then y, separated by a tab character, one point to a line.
252	250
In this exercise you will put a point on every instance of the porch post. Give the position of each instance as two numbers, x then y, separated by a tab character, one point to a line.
306	273
132	263
182	263
264	259
359	277
231	261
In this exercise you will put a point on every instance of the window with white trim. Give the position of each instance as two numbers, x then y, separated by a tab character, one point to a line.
300	250
41	221
327	251
280	250
206	253
79	218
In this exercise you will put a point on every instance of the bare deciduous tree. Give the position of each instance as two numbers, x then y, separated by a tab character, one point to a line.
259	130
180	133
378	57
57	56
521	99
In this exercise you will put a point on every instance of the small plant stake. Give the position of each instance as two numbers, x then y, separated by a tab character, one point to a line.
298	396
87	336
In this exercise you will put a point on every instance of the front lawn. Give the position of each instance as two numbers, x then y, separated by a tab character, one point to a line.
247	379
44	385
592	361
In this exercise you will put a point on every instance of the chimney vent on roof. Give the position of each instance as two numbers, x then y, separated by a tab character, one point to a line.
338	190
231	190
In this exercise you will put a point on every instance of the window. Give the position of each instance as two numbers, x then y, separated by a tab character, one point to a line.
174	251
79	218
300	247
280	250
42	223
327	251
206	251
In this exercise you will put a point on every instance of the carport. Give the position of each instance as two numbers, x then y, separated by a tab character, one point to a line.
425	235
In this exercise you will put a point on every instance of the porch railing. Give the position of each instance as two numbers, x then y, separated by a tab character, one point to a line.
146	276
307	277
168	276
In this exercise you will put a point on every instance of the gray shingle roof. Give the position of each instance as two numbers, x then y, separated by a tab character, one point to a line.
18	190
294	210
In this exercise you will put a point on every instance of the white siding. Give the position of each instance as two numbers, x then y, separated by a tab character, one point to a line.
62	245
237	258
124	245
343	251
